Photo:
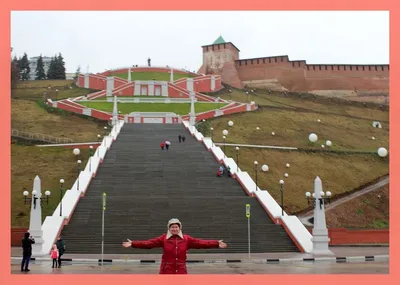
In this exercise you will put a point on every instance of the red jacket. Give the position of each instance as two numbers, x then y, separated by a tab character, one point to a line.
173	260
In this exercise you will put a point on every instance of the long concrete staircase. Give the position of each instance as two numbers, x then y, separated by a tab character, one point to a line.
146	187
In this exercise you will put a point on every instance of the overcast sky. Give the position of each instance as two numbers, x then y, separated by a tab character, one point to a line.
104	40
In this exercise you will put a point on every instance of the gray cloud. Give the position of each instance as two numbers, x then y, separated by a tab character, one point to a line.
106	40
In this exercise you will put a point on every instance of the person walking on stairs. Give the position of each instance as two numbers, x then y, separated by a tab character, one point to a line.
167	143
179	138
162	146
175	245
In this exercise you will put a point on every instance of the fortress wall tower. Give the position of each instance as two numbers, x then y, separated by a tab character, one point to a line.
281	73
219	58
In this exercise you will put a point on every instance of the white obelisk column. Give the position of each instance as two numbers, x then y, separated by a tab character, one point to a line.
320	237
35	224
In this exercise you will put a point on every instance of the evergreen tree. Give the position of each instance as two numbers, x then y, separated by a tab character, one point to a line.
40	74
51	72
77	72
24	67
60	67
14	72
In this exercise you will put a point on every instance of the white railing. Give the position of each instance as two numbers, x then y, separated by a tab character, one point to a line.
39	137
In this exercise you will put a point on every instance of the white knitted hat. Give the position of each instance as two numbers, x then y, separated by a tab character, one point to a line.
174	221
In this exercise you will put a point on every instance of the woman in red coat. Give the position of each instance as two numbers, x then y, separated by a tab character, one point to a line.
175	245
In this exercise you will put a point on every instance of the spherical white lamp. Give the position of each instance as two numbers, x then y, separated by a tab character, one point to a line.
225	132
287	165
257	128
230	123
224	137
76	151
26	193
34	192
286	175
91	147
211	129
319	121
62	181
308	194
79	161
328	193
256	162
322	146
382	152
313	195
47	193
273	133
328	143
265	168
281	182
313	137
373	138
322	194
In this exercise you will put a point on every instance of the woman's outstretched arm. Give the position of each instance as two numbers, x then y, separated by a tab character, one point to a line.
150	243
202	243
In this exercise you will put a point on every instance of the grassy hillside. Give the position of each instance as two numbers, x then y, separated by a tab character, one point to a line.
27	115
53	89
339	173
51	164
277	99
370	210
292	128
292	120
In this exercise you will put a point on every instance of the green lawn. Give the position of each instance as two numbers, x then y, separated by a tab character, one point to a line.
161	76
178	108
105	98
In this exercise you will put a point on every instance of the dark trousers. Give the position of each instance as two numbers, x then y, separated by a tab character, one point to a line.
25	261
54	262
59	260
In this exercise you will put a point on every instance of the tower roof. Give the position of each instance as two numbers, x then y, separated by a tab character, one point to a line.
220	40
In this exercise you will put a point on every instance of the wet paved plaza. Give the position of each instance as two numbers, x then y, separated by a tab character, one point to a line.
322	267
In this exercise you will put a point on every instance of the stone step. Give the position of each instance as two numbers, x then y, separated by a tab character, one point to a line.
146	187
